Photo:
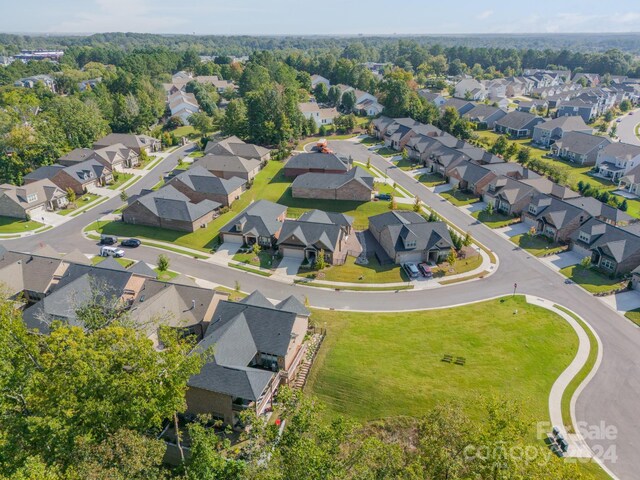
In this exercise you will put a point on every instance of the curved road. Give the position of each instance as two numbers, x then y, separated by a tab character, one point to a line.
612	396
627	127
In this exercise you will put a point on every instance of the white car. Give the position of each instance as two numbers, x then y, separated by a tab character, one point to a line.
111	252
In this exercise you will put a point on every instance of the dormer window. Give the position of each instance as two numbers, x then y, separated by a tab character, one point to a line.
584	237
532	209
32	197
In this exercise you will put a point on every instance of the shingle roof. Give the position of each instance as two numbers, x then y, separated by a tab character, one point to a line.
44	172
199	179
331	181
516	120
260	218
172	204
327	161
556	212
612	241
142	268
45	190
579	142
127	139
567	123
234	146
318	229
398	226
621	150
227	163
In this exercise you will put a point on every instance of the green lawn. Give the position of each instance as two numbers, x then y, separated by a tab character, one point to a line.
431	179
592	280
350	272
122	179
15	225
634	316
166	275
197	154
387	152
184	131
370	141
493	220
461	265
81	201
407	164
264	259
459	198
538	245
388	364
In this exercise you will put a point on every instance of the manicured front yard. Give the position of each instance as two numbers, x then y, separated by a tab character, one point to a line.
388	364
263	259
122	179
634	316
592	280
166	275
15	225
81	201
493	220
459	198
351	272
387	152
370	141
461	265
537	245
431	179
407	164
184	131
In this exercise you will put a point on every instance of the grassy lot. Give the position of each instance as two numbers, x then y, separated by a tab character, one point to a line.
634	316
459	198
125	262
15	225
166	275
184	131
196	154
407	164
592	280
350	272
538	245
389	364
387	152
269	184
370	141
493	220
122	179
431	179
264	259
81	201
461	265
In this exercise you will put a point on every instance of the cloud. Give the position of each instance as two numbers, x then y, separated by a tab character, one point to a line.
484	15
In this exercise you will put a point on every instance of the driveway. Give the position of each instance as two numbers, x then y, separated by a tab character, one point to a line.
623	302
288	266
562	260
226	251
475	207
515	229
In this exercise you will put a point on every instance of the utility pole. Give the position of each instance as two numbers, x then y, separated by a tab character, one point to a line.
515	287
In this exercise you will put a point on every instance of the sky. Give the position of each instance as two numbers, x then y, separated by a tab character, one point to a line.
328	17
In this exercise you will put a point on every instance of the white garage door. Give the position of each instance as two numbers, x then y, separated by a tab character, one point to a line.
232	238
292	252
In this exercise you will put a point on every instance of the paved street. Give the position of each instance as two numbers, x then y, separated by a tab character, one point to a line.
611	397
626	128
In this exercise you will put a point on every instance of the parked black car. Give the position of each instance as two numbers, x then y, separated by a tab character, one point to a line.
108	240
130	242
383	196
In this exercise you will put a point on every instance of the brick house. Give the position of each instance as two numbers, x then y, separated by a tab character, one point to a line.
80	177
553	218
355	185
199	184
235	147
137	143
470	177
260	223
171	209
508	196
578	147
31	199
316	162
230	166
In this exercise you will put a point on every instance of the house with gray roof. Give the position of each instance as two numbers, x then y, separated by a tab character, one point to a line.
508	196
629	182
617	159
398	133
406	236
31	199
317	231
436	98
601	211
587	109
260	223
257	346
553	218
137	143
579	147
80	177
229	166
485	116
354	185
469	177
316	162
30	275
611	249
529	106
462	106
546	133
171	209
233	146
30	82
199	184
116	157
517	124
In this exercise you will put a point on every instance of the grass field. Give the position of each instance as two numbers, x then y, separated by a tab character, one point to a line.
269	184
537	245
15	225
592	280
431	179
122	179
81	201
493	220
387	152
264	259
407	164
389	364
350	272
184	131
634	316
459	198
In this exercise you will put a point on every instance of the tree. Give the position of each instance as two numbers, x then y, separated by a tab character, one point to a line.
173	123
467	239
500	146
417	205
320	92
625	105
451	258
334	96
163	263
201	122
320	260
524	154
71	195
348	101
613	131
208	457
368	162
393	204
123	196
312	126
255	249
235	119
512	150
624	205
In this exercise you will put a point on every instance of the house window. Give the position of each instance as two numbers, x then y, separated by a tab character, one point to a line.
584	237
32	197
532	209
608	264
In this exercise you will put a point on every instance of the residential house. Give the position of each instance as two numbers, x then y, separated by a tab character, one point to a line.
546	133
369	107
436	98
399	132
462	106
485	116
517	124
199	184
220	85
316	79
234	146
630	181
321	116
469	177
316	162
230	166
470	89
90	84
29	277
137	143
257	346
30	82
171	209
611	249
588	110
354	185
116	157
315	231
533	105
80	177
495	89
260	223
406	236
553	218
380	126
590	79
508	196
183	105
578	147
616	159
601	211
31	199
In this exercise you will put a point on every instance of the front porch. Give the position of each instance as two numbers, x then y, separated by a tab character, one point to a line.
609	171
